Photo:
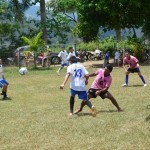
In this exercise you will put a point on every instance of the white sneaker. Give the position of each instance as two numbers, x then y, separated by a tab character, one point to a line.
145	84
124	85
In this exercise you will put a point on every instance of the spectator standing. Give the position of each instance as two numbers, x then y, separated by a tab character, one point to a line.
106	59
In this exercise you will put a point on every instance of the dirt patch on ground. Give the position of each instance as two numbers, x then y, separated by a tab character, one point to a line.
95	64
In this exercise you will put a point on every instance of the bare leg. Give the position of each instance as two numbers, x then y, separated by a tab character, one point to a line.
113	100
82	105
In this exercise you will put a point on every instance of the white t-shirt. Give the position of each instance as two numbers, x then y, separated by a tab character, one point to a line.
70	55
77	73
63	55
117	54
1	72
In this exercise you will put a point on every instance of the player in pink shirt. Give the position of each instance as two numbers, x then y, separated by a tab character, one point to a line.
100	87
133	67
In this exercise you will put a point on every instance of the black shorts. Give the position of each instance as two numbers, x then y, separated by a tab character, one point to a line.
132	70
93	91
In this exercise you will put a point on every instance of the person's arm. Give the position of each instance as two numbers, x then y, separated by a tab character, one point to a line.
92	75
86	79
65	81
125	65
100	91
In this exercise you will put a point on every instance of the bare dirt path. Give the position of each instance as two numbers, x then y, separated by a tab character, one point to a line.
96	64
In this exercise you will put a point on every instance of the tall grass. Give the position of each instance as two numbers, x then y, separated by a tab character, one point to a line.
37	116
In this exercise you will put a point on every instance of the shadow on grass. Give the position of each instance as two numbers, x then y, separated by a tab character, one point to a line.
81	114
7	99
134	85
40	68
147	118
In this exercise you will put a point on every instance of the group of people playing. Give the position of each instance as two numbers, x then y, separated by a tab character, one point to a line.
100	86
79	79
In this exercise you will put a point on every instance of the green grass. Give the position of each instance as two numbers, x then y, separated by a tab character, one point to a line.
37	116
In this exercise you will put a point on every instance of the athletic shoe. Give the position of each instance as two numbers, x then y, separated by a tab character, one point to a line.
93	111
124	85
145	84
70	114
77	111
6	98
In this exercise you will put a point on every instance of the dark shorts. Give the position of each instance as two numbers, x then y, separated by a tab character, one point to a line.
132	70
93	91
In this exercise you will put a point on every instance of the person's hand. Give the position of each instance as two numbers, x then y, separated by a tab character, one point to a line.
86	82
97	92
61	86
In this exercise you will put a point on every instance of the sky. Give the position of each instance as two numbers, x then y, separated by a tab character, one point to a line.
38	4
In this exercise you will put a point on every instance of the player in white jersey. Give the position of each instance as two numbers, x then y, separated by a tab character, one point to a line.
63	56
3	82
79	78
71	53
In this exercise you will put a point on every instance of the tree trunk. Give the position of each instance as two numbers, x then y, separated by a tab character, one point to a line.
118	35
35	58
43	19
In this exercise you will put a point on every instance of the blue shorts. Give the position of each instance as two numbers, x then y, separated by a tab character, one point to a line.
3	83
81	94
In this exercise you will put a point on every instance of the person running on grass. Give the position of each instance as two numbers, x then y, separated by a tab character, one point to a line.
64	62
71	53
100	87
79	79
3	82
133	67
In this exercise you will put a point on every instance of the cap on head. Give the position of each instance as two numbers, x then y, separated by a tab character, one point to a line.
73	59
109	67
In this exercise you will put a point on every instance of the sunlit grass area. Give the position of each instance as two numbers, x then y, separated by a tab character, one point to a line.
37	116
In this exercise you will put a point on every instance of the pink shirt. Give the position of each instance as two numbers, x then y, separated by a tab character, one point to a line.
101	81
132	62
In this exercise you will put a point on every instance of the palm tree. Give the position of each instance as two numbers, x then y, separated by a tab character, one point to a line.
34	44
19	7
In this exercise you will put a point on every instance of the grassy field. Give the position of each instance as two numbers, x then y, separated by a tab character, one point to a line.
37	116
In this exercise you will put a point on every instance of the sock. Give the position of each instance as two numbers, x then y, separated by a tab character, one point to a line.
142	78
88	103
4	93
126	79
60	68
71	104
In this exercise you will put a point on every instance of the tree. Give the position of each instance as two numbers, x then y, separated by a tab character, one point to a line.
35	43
18	8
110	15
61	18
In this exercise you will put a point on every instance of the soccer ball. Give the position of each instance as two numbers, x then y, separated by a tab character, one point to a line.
23	70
